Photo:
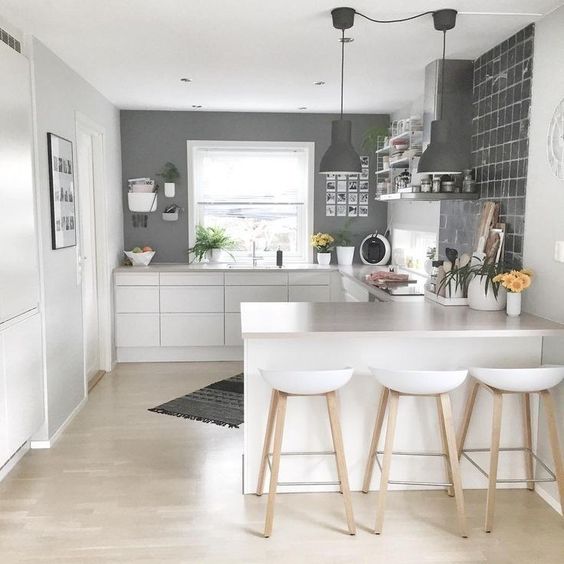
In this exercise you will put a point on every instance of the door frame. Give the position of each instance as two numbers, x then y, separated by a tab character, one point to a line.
86	125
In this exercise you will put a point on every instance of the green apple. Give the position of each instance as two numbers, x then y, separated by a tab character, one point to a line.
137	250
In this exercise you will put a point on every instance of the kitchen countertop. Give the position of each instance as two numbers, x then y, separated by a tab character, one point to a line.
409	319
222	267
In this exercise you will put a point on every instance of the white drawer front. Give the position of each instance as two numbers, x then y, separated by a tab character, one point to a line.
191	299
137	278
309	294
191	278
137	330
354	290
137	299
192	329
256	278
234	295
233	330
309	278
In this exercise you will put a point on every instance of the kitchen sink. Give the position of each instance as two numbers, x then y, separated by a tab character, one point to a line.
251	267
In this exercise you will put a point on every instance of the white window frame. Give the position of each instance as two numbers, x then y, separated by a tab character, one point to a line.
309	147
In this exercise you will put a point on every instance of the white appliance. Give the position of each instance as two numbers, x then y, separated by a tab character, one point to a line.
375	249
21	379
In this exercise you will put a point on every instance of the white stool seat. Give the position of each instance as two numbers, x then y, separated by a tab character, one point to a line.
520	379
420	382
307	382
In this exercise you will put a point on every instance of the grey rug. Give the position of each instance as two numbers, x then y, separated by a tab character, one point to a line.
220	403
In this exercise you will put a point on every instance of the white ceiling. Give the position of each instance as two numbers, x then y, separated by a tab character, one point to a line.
259	55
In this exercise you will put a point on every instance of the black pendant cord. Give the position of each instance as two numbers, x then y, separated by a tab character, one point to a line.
395	21
443	76
342	69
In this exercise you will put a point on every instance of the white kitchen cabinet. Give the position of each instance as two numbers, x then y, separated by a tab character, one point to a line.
256	278
234	295
191	299
22	382
136	278
137	330
233	336
137	299
191	279
353	291
309	278
309	294
192	329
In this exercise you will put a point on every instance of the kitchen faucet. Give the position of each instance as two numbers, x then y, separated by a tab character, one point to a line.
254	255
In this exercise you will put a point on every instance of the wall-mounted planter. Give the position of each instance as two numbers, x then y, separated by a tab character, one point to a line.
170	216
139	202
169	189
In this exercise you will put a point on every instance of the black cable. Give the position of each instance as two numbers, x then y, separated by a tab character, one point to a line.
395	21
342	69
443	75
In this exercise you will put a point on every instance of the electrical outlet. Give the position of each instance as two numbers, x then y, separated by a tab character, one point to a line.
559	251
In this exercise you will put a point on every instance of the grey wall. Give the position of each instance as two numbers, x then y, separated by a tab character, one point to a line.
150	138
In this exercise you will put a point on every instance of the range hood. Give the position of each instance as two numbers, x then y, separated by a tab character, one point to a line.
457	108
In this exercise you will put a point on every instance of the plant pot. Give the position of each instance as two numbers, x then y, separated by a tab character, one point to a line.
453	292
345	255
513	304
215	256
478	299
142	202
324	258
169	189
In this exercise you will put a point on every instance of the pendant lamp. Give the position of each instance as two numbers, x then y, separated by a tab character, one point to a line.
441	155
341	157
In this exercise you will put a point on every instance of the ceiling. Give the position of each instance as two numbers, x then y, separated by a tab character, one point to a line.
259	55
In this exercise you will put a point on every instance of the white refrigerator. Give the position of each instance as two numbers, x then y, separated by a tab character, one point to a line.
21	378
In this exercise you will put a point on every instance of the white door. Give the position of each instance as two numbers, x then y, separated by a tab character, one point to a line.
88	259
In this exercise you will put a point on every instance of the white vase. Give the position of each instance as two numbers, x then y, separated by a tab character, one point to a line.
345	255
215	255
513	304
324	258
169	189
478	299
453	292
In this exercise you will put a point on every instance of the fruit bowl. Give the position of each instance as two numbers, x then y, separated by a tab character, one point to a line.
140	259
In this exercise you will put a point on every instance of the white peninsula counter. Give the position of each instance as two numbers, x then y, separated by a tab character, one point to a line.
412	335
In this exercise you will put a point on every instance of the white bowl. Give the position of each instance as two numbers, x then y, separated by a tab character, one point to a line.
140	259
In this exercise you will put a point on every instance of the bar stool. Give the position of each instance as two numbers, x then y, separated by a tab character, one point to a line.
525	381
415	383
287	383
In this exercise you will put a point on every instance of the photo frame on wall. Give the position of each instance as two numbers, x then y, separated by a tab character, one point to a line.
61	185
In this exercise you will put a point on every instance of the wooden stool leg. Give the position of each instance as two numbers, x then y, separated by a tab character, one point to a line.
550	413
450	438
278	435
375	439
337	435
494	458
449	490
467	415
267	441
387	460
528	435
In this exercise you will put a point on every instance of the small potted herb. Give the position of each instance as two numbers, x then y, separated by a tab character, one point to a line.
211	243
345	246
170	174
374	138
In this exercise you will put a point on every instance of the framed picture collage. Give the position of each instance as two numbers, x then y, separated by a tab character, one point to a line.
347	195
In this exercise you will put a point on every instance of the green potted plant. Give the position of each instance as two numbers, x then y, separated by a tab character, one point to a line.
374	138
485	293
344	244
211	243
170	174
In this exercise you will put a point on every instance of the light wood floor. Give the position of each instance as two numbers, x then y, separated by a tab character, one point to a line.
126	485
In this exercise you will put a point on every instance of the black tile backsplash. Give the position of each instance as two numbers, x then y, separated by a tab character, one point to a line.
500	145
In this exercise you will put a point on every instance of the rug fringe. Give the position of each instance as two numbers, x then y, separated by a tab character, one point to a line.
194	418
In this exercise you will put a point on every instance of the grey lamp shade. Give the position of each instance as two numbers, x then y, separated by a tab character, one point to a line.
441	155
340	157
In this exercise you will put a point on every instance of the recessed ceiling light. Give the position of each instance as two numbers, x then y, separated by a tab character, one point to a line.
185	80
196	106
302	108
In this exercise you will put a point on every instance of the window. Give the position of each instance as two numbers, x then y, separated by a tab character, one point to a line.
412	248
260	192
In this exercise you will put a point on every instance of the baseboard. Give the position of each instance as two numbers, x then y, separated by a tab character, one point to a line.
56	435
178	354
94	381
16	457
553	502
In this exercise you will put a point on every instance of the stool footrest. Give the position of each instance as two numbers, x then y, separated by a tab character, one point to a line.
510	480
308	483
304	453
411	482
